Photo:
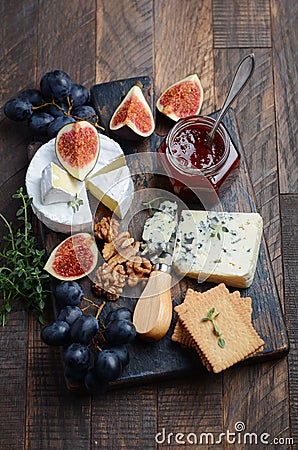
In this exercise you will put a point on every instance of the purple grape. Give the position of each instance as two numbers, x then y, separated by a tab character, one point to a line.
56	333
69	314
77	356
57	124
85	113
31	95
69	293
118	332
119	313
84	329
79	95
93	384
39	122
18	109
55	84
107	365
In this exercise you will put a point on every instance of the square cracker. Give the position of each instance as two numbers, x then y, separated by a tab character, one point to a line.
234	322
183	337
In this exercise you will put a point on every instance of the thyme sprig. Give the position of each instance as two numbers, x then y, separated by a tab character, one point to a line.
21	272
211	318
75	203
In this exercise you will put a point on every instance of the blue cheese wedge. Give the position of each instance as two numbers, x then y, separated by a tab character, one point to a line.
57	186
159	228
114	189
218	246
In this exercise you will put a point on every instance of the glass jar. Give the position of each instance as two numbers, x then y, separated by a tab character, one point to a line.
196	171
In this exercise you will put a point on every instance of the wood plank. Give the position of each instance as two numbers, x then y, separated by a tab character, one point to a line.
13	357
241	23
257	396
289	214
191	407
124	419
54	416
17	51
256	120
17	56
66	33
181	50
123	40
284	16
247	393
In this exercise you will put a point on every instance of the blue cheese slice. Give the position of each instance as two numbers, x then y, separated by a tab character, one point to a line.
218	246
57	186
114	189
159	228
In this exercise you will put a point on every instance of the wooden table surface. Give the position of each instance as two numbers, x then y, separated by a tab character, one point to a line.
104	40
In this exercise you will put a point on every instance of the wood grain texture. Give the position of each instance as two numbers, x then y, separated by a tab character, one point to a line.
243	389
289	214
241	23
124	39
284	16
256	121
181	50
125	419
66	36
55	417
17	50
258	397
191	407
13	361
17	71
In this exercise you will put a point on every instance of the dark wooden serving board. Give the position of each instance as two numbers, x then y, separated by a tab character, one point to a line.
152	361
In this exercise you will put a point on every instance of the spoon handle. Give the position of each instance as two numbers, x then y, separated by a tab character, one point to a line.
242	75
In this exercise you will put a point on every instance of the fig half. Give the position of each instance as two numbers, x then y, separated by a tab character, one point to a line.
133	119
77	148
182	99
73	258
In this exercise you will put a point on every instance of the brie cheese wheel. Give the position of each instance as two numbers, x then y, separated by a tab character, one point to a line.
218	246
114	189
59	216
57	185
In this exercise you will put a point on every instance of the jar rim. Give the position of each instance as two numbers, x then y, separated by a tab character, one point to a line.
208	122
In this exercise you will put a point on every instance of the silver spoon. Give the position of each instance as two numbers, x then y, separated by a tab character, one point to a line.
241	77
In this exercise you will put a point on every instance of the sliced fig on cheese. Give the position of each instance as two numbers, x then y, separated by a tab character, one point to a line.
133	118
73	258
77	148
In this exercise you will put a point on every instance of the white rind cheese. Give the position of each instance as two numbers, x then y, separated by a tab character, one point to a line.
114	189
218	246
159	228
58	216
57	185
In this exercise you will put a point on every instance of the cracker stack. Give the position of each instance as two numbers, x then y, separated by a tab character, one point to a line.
232	319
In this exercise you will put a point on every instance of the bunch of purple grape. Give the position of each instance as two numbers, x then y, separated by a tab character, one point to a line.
58	102
93	354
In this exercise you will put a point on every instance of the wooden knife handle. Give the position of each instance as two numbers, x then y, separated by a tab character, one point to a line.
153	312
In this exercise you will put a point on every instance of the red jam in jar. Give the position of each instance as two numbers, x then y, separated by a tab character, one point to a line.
194	169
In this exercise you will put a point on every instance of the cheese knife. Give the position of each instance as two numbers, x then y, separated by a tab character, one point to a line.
153	312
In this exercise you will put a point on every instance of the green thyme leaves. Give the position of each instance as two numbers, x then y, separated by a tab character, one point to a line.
75	203
211	317
21	273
